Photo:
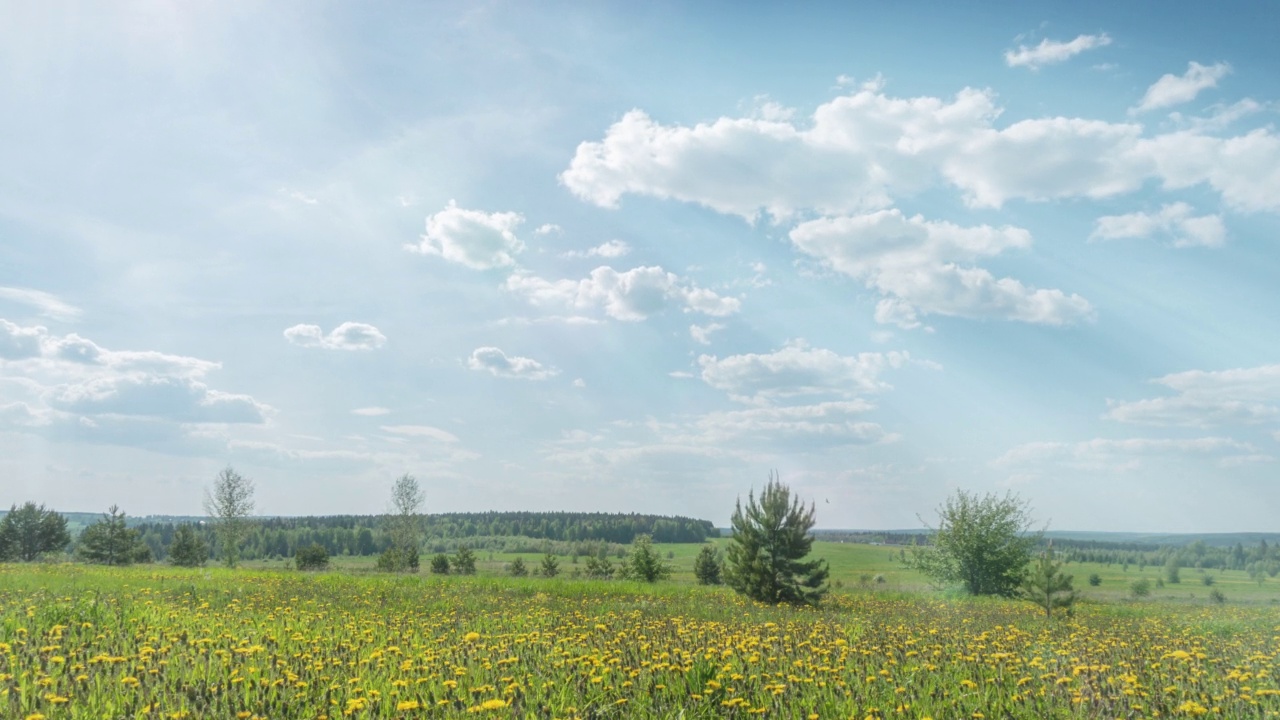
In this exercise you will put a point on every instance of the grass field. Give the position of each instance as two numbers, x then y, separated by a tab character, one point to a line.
158	642
855	566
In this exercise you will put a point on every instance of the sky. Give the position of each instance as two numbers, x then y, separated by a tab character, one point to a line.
634	257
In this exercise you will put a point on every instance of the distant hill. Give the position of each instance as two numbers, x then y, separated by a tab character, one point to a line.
905	536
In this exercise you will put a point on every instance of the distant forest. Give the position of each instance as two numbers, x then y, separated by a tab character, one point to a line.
496	531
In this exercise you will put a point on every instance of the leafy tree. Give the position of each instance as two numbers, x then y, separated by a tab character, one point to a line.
464	562
1047	586
707	565
550	566
440	564
984	543
644	563
405	526
517	568
765	558
29	531
395	560
188	549
599	568
230	504
110	541
1171	573
312	557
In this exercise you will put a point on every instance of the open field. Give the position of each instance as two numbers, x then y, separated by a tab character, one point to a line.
855	565
156	642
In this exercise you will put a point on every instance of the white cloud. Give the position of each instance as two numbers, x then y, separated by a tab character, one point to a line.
1174	221
1177	89
18	343
1219	116
347	336
701	334
547	229
299	196
177	399
858	147
798	370
861	151
680	374
371	411
796	426
44	303
473	238
1207	398
632	295
421	431
921	267
1049	52
497	363
610	249
1100	453
579	383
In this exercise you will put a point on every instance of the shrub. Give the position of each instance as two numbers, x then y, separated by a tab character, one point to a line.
1140	588
517	568
1217	597
312	557
396	560
1206	580
188	549
1095	580
643	563
599	568
440	564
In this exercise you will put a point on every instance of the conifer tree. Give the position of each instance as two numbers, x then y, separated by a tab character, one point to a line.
1047	586
188	549
770	539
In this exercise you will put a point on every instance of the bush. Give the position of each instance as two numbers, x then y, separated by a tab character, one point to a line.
440	564
397	560
517	568
1095	580
599	568
1217	597
1171	574
1140	588
1206	580
312	557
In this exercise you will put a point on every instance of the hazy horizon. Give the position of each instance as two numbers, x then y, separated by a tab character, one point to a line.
620	258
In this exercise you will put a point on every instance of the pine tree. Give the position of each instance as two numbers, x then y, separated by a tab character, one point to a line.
110	541
188	549
550	566
517	568
464	562
770	538
29	531
706	566
1047	586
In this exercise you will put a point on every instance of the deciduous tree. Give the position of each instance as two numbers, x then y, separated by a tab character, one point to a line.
981	542
230	503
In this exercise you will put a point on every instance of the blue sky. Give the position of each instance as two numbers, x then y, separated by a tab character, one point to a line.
619	258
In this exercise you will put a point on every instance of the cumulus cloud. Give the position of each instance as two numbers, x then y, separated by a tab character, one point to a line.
610	249
547	229
1174	221
473	238
1050	52
798	370
631	296
859	152
1207	398
45	303
347	336
497	363
922	267
77	389
1177	89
